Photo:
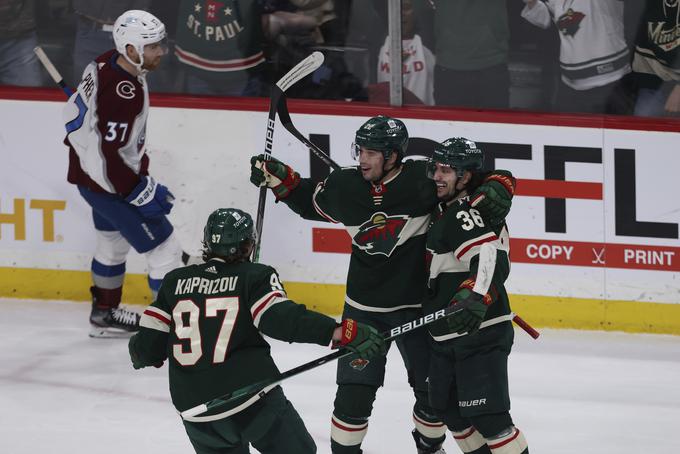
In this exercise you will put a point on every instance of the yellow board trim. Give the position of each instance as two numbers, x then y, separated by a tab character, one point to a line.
539	311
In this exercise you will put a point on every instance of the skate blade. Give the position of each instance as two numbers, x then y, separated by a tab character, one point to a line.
110	333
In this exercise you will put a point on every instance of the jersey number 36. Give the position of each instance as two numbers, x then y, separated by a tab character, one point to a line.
470	219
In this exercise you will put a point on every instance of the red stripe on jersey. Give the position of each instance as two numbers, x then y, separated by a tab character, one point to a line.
465	435
505	442
475	200
264	304
348	429
476	243
158	316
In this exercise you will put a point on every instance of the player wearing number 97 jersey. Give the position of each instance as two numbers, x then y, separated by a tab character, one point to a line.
207	322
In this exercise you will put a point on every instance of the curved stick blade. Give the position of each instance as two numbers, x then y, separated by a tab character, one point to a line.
305	67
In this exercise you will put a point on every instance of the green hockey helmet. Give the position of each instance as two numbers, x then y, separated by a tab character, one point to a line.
458	153
381	133
226	231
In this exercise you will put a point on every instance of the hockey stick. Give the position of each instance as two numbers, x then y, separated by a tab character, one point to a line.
42	56
526	327
259	387
305	67
287	123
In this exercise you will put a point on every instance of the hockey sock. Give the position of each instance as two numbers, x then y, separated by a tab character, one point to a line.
104	298
470	441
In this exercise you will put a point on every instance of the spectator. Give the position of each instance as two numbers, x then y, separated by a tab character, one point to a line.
417	60
657	59
221	47
594	56
18	64
471	46
366	30
328	30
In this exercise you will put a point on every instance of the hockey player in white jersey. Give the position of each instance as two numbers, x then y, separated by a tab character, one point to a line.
105	122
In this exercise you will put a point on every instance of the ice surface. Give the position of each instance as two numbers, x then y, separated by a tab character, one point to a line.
572	392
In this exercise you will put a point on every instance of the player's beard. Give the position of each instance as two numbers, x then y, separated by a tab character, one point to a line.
448	192
152	65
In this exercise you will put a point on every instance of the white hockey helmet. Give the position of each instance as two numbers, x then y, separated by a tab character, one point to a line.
137	28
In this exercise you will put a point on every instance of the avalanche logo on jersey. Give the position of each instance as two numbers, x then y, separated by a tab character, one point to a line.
380	234
125	89
569	22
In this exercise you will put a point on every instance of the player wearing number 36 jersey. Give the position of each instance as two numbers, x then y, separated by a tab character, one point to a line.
468	375
207	322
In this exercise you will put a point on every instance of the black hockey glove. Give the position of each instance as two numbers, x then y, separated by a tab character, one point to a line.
471	314
493	197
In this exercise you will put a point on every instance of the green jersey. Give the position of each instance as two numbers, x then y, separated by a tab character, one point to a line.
387	225
454	243
220	36
207	322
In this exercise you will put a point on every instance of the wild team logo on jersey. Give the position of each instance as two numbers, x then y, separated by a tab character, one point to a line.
359	364
380	234
569	22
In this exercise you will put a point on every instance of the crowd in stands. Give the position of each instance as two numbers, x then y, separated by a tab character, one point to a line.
583	56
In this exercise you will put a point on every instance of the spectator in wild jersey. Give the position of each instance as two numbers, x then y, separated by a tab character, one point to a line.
385	204
208	322
468	377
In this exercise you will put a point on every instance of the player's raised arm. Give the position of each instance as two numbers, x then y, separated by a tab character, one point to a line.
305	197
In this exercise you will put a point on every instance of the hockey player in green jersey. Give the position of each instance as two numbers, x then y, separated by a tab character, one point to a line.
207	322
468	379
385	205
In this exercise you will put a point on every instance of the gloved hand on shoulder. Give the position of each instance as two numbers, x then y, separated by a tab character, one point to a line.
274	174
151	198
493	197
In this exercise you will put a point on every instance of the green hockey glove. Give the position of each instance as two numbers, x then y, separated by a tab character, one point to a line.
137	363
361	339
274	174
471	313
493	197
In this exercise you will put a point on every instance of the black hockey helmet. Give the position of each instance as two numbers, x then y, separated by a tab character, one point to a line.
384	134
227	232
458	153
